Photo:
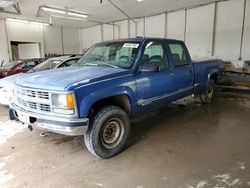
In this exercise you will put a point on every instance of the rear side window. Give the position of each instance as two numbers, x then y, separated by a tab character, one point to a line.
29	65
154	55
179	55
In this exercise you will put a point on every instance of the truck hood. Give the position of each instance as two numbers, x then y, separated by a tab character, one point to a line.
61	79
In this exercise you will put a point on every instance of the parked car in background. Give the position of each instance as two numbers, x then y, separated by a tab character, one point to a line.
6	67
7	84
112	83
22	67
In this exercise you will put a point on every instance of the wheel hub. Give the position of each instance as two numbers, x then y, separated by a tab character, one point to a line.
112	133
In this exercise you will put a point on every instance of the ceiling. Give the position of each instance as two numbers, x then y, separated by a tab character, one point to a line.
104	12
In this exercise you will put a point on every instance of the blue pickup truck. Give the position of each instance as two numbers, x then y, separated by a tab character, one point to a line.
113	82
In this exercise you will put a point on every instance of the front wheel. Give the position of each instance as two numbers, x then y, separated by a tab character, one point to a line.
108	134
207	95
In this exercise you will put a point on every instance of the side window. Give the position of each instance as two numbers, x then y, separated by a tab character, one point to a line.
29	65
179	55
154	54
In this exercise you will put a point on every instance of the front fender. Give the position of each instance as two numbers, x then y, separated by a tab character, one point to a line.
90	99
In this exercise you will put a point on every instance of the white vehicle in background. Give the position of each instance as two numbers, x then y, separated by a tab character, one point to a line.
7	84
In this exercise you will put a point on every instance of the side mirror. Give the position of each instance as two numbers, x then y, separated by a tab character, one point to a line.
150	68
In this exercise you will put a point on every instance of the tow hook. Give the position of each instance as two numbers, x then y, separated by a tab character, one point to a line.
30	127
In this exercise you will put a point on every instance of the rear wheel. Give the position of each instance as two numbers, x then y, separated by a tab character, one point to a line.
207	95
108	134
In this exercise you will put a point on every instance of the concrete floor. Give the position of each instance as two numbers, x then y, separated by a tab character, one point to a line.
188	146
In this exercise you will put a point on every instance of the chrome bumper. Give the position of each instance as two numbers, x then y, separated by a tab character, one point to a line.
60	125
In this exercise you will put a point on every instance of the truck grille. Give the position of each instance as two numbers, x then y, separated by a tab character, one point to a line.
29	99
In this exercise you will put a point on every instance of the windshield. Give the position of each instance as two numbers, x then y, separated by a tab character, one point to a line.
114	54
48	64
9	65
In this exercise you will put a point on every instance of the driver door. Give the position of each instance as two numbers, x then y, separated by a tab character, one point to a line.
153	87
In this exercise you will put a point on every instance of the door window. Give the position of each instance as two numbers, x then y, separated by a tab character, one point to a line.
29	65
179	55
154	55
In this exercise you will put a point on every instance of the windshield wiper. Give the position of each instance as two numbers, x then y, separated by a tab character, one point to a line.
107	64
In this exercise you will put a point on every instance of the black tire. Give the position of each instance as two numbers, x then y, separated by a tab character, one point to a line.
207	95
109	122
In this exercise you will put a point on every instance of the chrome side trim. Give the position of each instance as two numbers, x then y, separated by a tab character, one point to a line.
144	102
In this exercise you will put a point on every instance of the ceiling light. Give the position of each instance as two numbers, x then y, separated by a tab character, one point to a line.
4	4
77	14
54	10
140	0
17	20
26	21
67	17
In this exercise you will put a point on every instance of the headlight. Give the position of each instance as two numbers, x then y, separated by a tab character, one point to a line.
63	103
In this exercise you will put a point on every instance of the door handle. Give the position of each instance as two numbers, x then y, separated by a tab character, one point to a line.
190	71
172	74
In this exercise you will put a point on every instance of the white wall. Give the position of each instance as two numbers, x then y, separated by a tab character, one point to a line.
91	36
140	26
175	27
196	27
23	32
155	26
199	30
53	40
3	43
71	40
246	39
228	29
50	38
123	28
108	32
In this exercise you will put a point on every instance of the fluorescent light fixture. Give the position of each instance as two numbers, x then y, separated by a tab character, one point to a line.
77	14
68	17
17	20
26	21
39	23
53	10
140	0
4	4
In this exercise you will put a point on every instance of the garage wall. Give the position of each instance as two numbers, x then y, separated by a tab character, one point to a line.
123	29
3	43
246	36
228	29
108	32
53	39
140	27
207	30
199	30
155	26
23	32
91	36
175	26
71	40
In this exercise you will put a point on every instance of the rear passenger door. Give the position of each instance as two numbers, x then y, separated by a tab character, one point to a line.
182	72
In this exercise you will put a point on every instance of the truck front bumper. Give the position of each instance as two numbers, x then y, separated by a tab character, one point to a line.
60	125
